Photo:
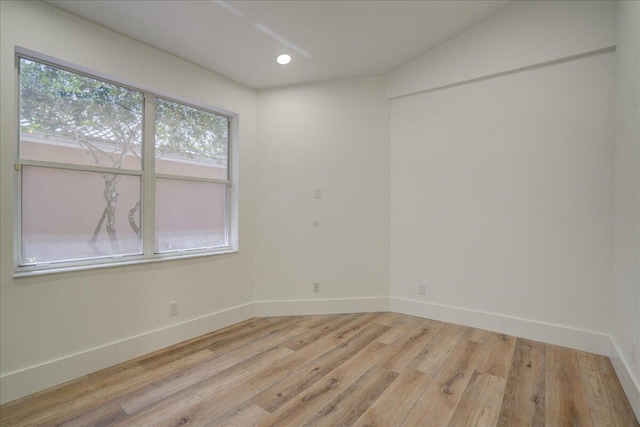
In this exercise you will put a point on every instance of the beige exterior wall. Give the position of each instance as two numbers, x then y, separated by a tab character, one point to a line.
63	208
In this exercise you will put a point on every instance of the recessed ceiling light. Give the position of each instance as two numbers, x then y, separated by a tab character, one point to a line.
284	59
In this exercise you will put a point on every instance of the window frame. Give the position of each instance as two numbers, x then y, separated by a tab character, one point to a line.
146	173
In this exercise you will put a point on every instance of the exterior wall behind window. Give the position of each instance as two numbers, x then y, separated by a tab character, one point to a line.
84	202
88	320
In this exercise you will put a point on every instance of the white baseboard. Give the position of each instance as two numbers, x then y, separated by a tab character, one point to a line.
593	342
32	379
630	384
35	378
23	382
321	306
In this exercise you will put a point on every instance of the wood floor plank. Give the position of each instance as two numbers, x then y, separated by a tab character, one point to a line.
162	389
436	405
247	415
240	359
217	369
256	346
49	404
92	402
192	403
297	410
149	376
316	368
564	392
317	320
216	399
603	392
406	349
102	416
224	389
480	402
349	405
399	330
392	406
174	352
285	326
354	324
394	319
477	335
523	403
366	369
319	331
437	349
218	342
497	355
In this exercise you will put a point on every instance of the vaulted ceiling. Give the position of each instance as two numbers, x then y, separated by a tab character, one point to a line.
327	39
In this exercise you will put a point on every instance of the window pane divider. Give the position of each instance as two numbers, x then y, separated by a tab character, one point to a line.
192	178
148	192
148	251
84	168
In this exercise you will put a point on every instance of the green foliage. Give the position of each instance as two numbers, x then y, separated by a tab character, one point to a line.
55	102
107	119
189	132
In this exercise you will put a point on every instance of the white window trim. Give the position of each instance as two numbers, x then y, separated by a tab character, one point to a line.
147	174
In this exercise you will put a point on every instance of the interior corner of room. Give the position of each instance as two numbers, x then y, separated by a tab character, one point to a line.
493	181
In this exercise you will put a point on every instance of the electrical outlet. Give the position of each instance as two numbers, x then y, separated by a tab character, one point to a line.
634	352
422	289
317	192
316	287
173	308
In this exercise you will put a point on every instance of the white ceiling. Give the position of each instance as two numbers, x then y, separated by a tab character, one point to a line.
327	39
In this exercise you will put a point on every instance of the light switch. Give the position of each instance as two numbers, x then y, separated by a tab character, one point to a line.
317	192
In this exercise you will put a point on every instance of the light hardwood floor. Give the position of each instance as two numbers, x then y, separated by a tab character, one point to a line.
373	369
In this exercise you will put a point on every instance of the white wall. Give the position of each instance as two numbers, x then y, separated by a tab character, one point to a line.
332	135
524	34
625	325
105	316
501	194
495	191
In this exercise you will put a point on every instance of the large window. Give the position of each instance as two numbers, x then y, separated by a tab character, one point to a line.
110	174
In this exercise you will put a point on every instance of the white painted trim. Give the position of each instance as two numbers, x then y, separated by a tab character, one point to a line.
321	306
35	378
594	342
630	384
522	69
520	35
134	260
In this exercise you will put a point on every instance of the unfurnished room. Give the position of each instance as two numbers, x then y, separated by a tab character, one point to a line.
320	213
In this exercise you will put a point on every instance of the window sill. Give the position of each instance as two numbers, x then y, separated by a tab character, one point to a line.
139	261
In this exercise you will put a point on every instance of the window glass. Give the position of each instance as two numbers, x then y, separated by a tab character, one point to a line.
82	171
190	141
190	215
65	215
71	118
